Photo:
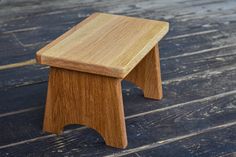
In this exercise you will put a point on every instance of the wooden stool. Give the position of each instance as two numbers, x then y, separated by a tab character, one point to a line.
88	64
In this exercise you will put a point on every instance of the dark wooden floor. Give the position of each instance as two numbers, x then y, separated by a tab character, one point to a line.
197	116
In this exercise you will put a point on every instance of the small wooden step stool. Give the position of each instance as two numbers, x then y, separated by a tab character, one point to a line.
87	65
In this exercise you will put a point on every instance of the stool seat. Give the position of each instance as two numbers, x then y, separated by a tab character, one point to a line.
104	44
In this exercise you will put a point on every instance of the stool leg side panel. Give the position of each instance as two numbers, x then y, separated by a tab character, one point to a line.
147	75
86	99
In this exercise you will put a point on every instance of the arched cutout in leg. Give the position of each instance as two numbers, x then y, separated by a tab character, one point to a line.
147	75
87	99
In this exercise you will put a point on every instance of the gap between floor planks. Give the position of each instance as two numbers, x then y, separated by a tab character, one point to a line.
130	117
21	30
17	65
199	52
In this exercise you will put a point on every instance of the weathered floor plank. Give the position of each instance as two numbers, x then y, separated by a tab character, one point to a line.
22	98
216	141
154	127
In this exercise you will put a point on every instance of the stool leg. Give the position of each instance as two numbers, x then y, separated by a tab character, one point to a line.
86	99
147	75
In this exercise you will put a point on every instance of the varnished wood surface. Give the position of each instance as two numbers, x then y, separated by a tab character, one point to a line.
104	44
196	116
87	99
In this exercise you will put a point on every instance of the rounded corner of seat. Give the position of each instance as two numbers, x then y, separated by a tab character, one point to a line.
38	57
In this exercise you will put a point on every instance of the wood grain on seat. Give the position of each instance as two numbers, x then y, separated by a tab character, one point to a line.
104	44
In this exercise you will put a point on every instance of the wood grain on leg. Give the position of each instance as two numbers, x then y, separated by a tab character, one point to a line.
87	99
147	75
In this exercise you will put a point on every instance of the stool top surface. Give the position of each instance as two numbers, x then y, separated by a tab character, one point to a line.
104	44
